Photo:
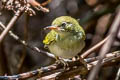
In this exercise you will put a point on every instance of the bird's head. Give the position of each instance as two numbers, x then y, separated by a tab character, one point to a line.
65	24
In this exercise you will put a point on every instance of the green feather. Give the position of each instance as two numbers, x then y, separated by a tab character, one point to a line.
50	37
76	26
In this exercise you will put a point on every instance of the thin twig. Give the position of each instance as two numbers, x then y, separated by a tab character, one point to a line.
36	49
46	2
11	23
37	5
106	61
118	75
52	69
109	55
24	52
106	47
21	6
89	51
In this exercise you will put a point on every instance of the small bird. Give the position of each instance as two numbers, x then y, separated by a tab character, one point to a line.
66	38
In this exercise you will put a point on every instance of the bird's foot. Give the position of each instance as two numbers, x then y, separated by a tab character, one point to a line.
84	64
82	61
64	63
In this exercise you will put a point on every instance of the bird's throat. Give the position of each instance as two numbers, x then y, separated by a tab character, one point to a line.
64	34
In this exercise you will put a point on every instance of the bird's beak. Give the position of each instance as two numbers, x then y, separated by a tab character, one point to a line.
52	27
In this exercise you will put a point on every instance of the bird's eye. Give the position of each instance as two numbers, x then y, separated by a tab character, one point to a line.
63	24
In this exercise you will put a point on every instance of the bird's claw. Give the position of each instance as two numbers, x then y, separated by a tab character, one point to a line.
65	64
82	61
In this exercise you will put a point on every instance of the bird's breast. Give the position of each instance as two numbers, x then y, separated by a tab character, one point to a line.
67	47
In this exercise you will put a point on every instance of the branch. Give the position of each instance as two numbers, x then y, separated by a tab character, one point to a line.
36	49
98	45
118	75
38	6
106	47
76	68
11	23
107	61
21	6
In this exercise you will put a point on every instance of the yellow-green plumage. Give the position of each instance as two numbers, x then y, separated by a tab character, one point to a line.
51	36
67	43
75	23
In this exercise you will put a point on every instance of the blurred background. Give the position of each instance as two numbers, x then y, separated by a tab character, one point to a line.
95	16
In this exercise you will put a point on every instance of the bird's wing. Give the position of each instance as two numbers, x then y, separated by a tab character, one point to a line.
50	37
80	35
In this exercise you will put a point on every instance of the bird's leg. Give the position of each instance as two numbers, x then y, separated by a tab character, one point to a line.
61	61
57	60
81	60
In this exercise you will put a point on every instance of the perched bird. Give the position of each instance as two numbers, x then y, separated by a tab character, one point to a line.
66	38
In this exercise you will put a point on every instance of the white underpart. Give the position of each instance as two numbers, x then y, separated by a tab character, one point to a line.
68	47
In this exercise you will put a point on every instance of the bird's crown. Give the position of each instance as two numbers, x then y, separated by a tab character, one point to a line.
67	23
